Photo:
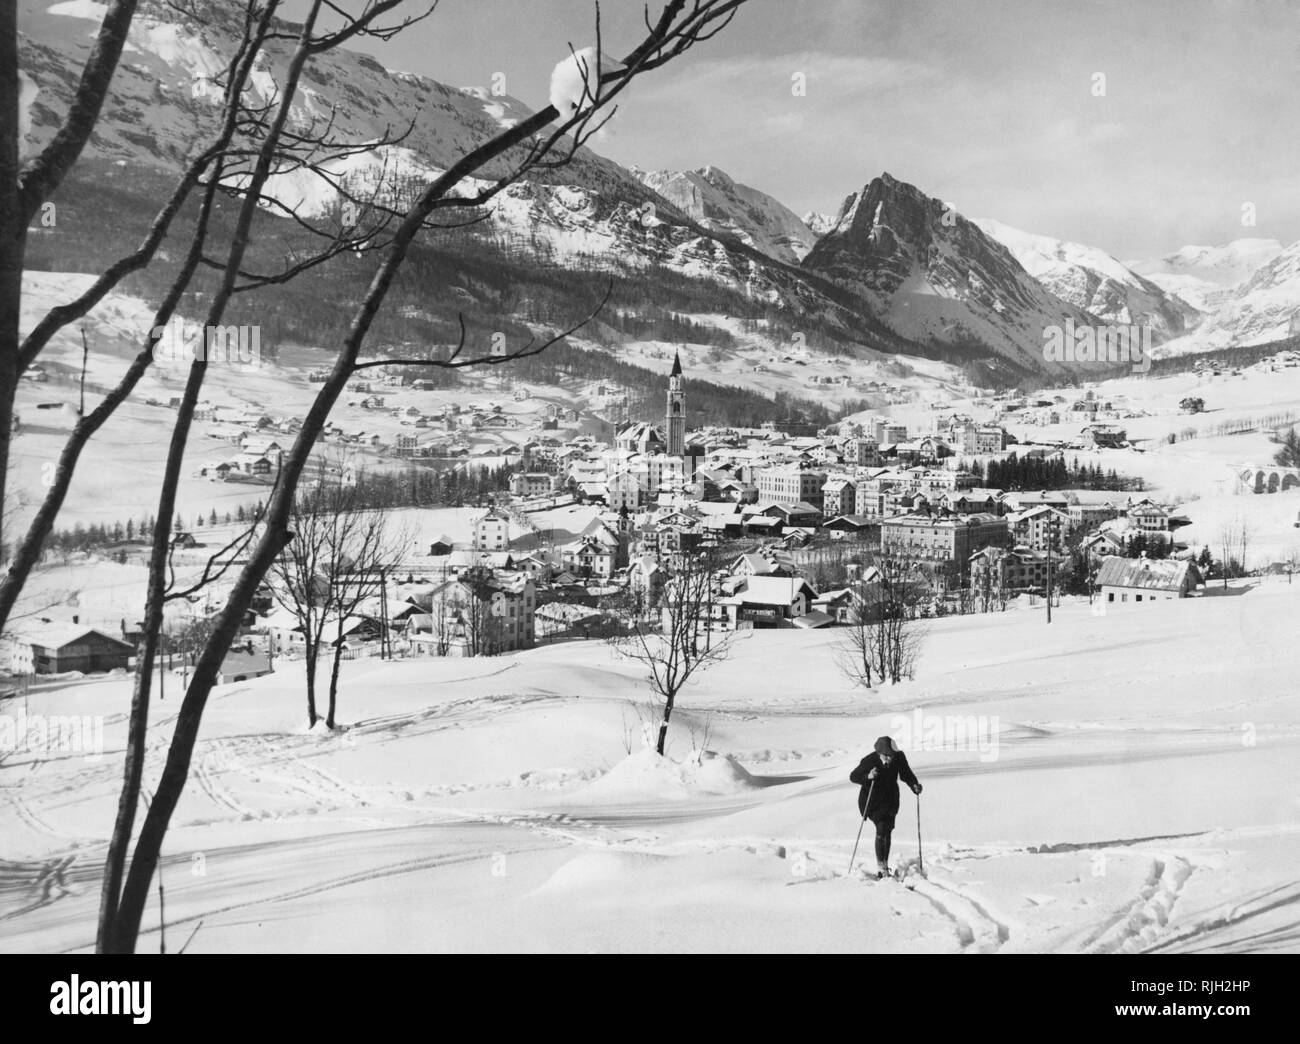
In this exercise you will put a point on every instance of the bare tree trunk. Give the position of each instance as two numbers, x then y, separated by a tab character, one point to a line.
311	654
23	190
120	921
661	45
669	699
13	240
334	675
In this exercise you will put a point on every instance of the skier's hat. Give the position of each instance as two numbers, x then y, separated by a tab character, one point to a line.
886	745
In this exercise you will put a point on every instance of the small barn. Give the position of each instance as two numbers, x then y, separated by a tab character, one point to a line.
244	665
1132	580
70	647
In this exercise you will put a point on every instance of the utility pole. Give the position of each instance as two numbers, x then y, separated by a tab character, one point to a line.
1051	534
384	643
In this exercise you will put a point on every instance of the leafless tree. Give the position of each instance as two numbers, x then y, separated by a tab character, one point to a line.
1291	562
1230	540
335	562
477	607
368	547
298	577
885	632
440	624
683	641
530	144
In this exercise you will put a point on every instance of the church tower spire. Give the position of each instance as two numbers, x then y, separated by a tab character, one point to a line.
676	413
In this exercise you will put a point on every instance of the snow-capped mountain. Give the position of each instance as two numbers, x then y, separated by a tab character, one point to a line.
1091	279
914	284
720	204
1263	307
1221	265
934	276
1204	276
164	99
818	223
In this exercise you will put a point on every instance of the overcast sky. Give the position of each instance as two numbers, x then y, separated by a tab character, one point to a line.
988	105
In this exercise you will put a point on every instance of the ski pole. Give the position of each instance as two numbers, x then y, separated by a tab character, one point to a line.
920	863
860	826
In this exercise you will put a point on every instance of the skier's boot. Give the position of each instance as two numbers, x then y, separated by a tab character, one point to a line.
882	871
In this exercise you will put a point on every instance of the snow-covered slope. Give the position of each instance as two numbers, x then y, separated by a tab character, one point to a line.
936	276
720	204
594	210
1221	265
164	91
1200	293
1091	279
489	804
1204	276
1263	307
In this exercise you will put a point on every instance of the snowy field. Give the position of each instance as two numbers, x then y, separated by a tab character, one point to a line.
1125	782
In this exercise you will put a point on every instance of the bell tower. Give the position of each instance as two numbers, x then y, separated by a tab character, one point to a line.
675	420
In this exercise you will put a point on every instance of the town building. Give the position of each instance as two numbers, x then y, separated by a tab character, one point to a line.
791	484
939	540
492	531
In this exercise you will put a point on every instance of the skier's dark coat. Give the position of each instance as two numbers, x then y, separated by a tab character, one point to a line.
884	796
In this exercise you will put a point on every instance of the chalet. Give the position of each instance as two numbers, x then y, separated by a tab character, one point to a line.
441	545
841	605
531	484
1150	519
839	495
1104	436
854	525
970	501
254	464
761	525
1040	527
536	566
766	563
1133	580
1102	543
1008	570
768	601
589	557
798	514
59	648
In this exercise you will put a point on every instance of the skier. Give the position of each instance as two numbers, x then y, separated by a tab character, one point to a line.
878	774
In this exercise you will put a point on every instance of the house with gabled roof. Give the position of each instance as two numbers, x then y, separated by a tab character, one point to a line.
768	601
1129	581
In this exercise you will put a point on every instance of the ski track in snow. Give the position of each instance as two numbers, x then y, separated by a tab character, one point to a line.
1139	925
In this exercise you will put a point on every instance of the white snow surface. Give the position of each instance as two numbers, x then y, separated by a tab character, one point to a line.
1141	796
575	81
